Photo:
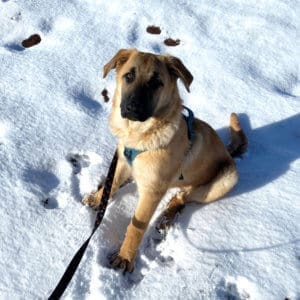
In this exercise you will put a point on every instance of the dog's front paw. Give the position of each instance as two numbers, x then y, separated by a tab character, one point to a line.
116	261
93	200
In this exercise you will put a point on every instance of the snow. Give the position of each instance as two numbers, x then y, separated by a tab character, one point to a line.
55	146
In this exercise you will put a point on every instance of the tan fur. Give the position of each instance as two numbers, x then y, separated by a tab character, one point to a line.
208	169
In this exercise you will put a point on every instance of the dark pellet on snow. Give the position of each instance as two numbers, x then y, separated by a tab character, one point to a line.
171	42
153	29
31	41
104	93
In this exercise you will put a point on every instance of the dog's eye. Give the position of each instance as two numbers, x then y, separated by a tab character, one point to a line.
129	77
155	81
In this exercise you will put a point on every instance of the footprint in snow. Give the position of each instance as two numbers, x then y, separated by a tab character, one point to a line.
78	161
53	28
60	24
50	183
133	35
17	16
46	25
41	180
42	183
87	173
239	288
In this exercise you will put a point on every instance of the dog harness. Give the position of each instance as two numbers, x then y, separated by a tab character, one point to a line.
131	153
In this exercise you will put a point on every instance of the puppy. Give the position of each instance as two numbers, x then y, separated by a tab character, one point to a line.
161	145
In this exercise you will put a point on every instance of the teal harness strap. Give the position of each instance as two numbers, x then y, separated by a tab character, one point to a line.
189	119
131	153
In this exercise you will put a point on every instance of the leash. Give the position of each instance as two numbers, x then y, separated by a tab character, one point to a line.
72	267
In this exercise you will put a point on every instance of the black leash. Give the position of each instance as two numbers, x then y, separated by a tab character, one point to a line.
72	267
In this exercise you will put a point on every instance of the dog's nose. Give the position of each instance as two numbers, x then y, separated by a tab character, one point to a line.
130	107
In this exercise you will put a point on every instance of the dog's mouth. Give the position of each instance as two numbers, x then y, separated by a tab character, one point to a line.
138	118
134	115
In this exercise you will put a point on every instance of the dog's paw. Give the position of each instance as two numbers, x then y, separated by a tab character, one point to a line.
163	223
116	261
93	200
168	217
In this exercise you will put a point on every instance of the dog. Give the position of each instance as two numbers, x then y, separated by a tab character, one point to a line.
160	146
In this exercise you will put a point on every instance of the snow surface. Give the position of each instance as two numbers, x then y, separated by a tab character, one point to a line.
55	146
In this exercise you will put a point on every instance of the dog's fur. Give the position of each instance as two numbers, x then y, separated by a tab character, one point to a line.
147	115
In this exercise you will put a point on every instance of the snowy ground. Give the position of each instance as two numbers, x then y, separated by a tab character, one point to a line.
55	146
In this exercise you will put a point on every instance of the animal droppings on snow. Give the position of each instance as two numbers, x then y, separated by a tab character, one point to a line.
170	42
31	41
153	29
104	93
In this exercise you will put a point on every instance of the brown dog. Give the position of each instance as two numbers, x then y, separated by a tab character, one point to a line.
159	147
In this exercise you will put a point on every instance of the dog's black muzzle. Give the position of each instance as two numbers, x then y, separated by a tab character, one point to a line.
138	105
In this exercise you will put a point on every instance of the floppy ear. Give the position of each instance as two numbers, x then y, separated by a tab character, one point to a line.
177	68
118	60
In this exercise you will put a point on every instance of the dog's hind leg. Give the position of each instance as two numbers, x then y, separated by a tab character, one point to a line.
218	187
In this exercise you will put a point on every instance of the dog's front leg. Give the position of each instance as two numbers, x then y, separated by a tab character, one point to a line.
147	204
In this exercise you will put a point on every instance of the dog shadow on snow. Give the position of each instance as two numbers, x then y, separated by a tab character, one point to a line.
272	148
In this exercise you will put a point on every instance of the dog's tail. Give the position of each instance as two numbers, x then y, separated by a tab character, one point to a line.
239	142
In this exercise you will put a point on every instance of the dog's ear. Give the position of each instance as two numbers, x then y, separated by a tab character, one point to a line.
177	69
118	60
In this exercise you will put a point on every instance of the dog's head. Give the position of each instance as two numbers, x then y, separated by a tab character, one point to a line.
146	82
